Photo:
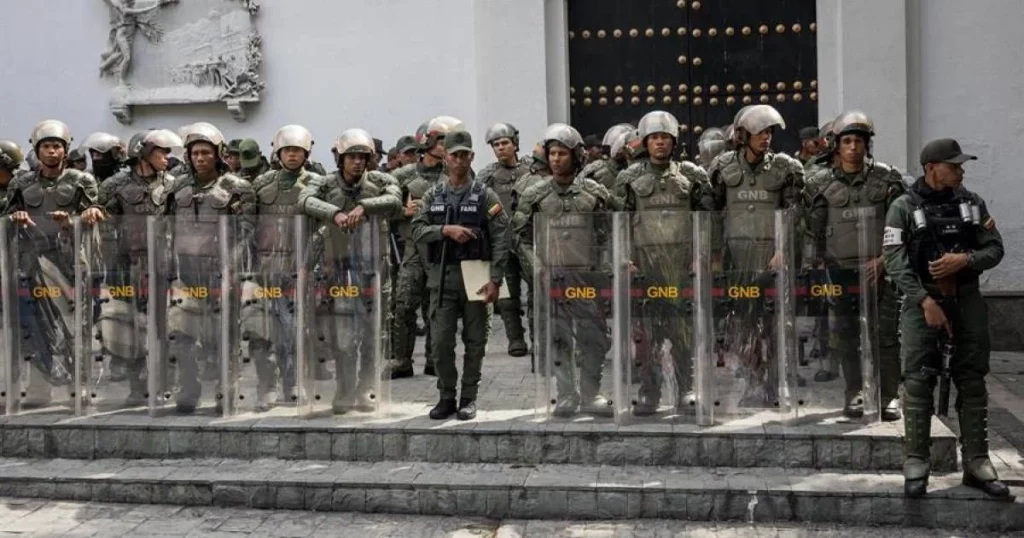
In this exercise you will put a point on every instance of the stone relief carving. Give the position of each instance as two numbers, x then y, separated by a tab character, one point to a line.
200	51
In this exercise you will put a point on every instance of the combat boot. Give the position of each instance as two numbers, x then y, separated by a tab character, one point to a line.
891	411
445	408
978	470
399	369
517	346
917	446
467	409
854	407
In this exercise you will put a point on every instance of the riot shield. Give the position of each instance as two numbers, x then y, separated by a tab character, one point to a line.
340	319
744	269
40	315
113	289
658	375
261	307
188	337
573	291
849	279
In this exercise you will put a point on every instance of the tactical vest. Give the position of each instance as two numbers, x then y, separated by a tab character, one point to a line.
570	241
752	196
471	212
338	242
846	204
196	218
503	180
661	200
415	188
139	197
275	226
946	230
42	196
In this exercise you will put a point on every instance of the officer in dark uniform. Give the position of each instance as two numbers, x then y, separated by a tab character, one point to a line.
460	219
939	237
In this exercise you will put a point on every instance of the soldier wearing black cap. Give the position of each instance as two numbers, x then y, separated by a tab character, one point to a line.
408	151
810	145
378	153
594	150
939	237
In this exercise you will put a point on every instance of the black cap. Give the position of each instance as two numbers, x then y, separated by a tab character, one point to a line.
592	141
407	143
458	141
233	146
378	146
944	150
808	132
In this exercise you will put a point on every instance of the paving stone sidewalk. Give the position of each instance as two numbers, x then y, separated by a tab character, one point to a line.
19	517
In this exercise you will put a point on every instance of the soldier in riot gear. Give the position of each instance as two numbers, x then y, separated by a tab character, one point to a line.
197	201
268	323
78	160
43	202
251	159
233	156
711	144
579	323
11	158
140	190
502	177
939	237
461	219
412	294
662	250
747	184
606	170
342	201
107	153
858	181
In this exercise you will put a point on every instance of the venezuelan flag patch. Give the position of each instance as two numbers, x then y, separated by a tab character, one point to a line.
990	223
494	210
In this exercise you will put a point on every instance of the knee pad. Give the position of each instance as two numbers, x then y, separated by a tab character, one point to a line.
919	388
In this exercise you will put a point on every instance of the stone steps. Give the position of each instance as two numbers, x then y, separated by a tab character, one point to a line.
862	447
517	491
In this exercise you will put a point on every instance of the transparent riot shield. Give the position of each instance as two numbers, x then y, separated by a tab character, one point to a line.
341	347
658	366
189	337
113	289
39	314
574	279
849	280
260	304
744	271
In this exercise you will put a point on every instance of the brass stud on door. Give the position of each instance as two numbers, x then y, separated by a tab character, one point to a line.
666	88
764	99
781	98
572	34
635	100
586	34
587	90
746	30
601	34
681	31
797	97
814	96
798	85
814	84
651	100
747	100
603	90
712	32
649	32
651	88
683	88
667	99
684	128
619	90
697	61
764	86
797	28
682	59
730	100
633	32
713	101
747	87
780	28
665	32
618	100
617	33
602	101
683	99
697	101
781	86
814	27
697	129
696	32
697	90
572	90
635	89
681	4
763	29
572	102
695	5
587	102
713	89
730	31
731	88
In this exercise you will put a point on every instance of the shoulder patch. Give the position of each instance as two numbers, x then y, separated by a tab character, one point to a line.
989	224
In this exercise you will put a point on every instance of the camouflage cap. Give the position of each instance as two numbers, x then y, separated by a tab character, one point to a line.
458	141
407	143
234	145
249	150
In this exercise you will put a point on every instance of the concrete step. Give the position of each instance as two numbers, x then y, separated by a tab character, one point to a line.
518	491
866	447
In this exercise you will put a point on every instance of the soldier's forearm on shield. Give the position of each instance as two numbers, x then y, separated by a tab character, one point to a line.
388	204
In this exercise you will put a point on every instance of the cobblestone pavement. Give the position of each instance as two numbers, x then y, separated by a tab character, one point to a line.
20	517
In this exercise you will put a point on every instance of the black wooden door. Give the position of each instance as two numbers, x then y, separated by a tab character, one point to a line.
700	60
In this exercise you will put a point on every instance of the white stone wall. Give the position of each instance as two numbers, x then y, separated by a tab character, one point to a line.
383	65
